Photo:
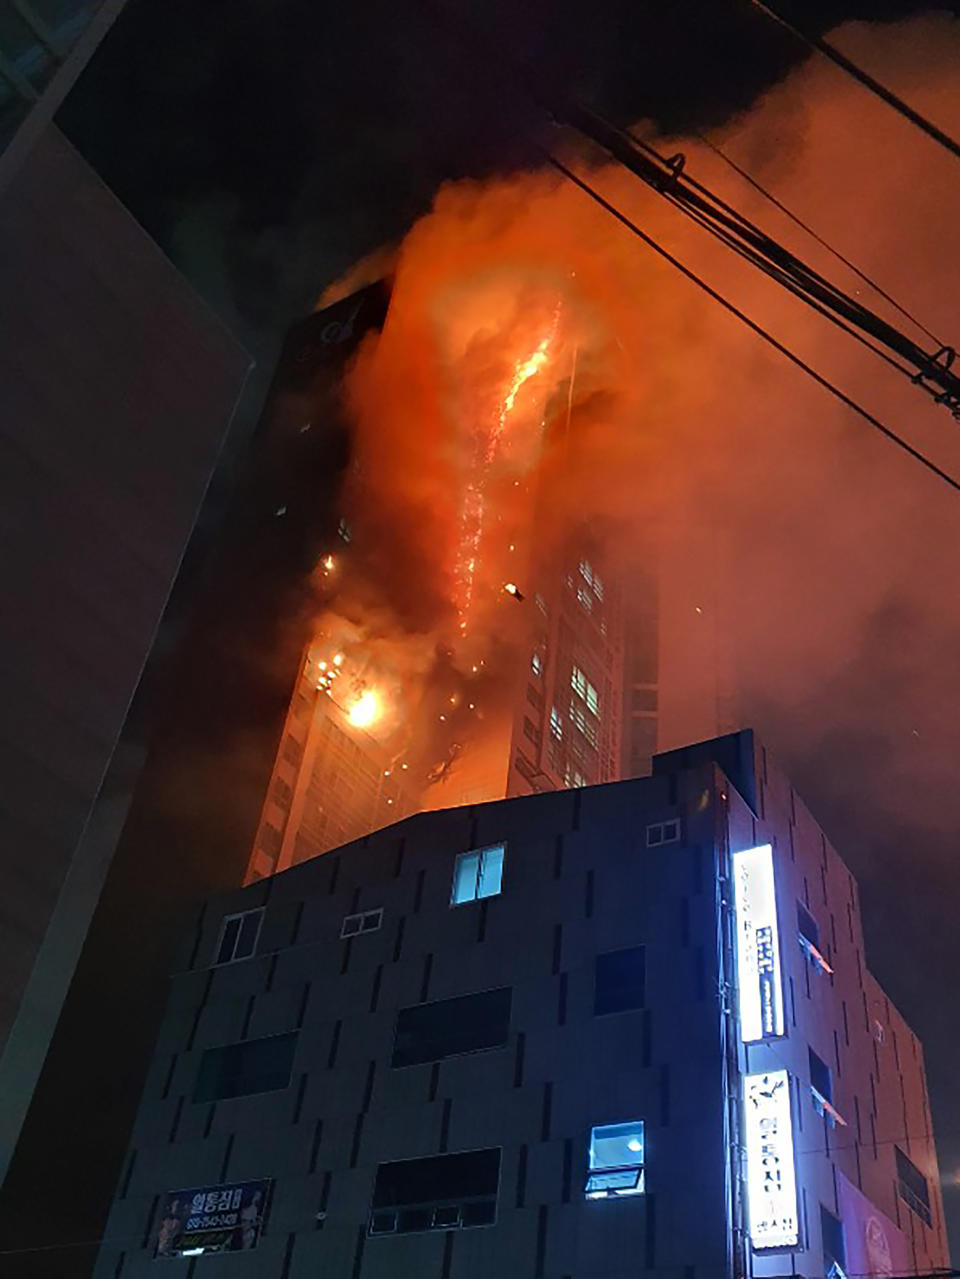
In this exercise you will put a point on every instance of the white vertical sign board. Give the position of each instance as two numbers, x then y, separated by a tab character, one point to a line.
771	1177
759	980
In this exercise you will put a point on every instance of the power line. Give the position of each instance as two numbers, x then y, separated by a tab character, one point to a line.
933	373
761	332
805	226
830	51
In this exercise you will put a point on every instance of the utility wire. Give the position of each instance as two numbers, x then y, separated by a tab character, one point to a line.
830	51
932	373
761	332
805	226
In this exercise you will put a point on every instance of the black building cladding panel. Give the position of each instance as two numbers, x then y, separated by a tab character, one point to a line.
237	1070
451	1027
619	980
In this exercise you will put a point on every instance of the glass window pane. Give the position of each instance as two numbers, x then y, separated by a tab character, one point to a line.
465	878
491	871
228	941
249	928
616	1145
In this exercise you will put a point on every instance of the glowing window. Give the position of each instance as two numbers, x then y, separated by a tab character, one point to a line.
573	777
477	874
616	1161
556	724
586	723
585	690
585	599
598	588
536	664
238	938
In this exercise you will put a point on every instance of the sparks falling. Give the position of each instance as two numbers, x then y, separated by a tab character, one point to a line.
474	507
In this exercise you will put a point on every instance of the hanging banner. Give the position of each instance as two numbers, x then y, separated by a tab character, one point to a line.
225	1218
874	1245
771	1176
759	979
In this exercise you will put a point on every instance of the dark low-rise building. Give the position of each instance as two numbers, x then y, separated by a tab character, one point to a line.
591	1033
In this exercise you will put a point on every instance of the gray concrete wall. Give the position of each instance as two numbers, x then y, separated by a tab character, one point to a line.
574	862
116	389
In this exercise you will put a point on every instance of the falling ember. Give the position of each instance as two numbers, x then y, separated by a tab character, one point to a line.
473	513
364	710
329	563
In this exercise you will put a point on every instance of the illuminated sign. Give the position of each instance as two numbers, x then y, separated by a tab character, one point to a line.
758	945
771	1178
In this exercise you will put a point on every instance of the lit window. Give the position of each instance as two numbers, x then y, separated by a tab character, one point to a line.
367	921
616	1161
556	724
343	531
663	833
585	690
238	939
598	588
585	599
477	874
541	604
573	777
536	664
586	723
586	571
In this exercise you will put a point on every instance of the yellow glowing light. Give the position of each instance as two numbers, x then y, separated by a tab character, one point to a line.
329	563
511	588
323	666
525	370
337	659
364	710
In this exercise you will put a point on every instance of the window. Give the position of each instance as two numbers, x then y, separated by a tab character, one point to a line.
536	664
442	1192
534	696
834	1252
452	1027
912	1186
663	833
238	940
585	690
541	604
586	723
477	874
367	921
572	777
556	725
821	1088
531	731
237	1070
619	981
616	1161
808	932
585	599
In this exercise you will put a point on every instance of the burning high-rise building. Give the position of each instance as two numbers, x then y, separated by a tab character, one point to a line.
486	660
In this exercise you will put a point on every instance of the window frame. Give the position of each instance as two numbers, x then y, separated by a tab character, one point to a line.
479	854
241	1044
594	1191
669	822
608	954
446	1204
906	1192
361	915
221	937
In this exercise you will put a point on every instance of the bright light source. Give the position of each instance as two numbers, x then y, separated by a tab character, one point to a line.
337	659
634	1144
323	666
364	710
329	563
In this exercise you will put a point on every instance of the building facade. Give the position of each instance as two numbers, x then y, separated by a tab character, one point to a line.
578	1034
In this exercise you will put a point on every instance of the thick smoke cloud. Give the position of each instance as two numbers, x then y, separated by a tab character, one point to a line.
808	566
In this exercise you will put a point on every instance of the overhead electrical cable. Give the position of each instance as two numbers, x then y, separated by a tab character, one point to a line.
932	372
806	227
830	51
761	332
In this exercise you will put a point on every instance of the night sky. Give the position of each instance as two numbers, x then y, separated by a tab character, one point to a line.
269	144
